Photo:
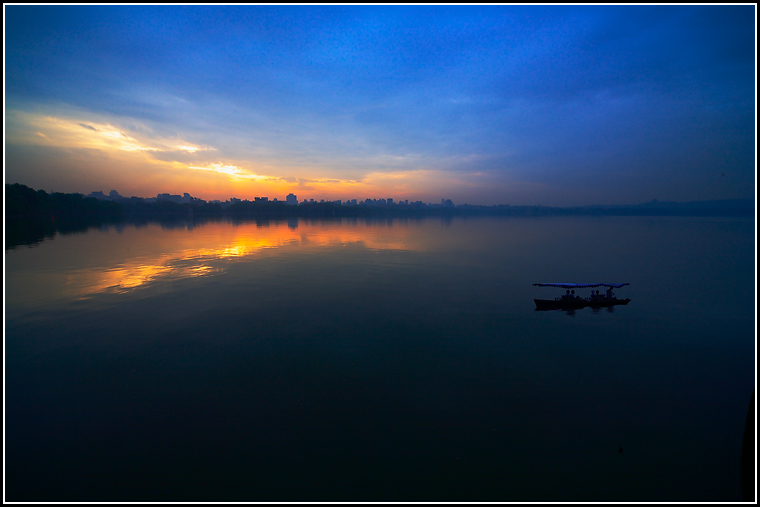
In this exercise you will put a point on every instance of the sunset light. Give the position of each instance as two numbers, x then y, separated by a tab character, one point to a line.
380	253
355	103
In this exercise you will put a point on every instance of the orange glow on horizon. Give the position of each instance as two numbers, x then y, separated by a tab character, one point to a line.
137	162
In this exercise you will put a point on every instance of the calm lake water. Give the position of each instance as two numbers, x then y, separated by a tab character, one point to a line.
383	360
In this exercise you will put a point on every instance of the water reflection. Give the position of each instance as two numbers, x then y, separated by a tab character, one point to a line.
571	311
241	360
142	254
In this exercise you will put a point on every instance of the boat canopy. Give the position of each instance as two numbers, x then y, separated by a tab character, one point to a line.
580	285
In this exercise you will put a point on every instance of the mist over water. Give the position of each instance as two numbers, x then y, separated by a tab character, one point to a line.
379	360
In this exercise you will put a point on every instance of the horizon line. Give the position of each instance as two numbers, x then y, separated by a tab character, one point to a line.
393	200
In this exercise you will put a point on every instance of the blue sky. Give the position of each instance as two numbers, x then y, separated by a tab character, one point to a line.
557	105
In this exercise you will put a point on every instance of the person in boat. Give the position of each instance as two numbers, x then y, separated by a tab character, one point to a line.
591	298
609	293
573	297
566	295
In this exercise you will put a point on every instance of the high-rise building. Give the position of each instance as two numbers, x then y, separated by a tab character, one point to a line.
291	200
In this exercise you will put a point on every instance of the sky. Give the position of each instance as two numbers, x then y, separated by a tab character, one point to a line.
521	105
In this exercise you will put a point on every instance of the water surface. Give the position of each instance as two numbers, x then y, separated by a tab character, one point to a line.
383	360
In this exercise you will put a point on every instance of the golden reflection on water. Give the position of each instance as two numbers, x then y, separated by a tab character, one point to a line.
184	263
107	261
130	277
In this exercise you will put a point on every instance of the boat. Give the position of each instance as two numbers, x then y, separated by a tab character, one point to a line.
576	302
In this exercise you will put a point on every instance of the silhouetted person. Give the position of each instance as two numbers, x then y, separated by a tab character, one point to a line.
609	293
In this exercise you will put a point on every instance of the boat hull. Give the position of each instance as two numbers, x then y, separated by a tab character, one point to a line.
560	304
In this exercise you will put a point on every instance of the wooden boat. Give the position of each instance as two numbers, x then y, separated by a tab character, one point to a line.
566	302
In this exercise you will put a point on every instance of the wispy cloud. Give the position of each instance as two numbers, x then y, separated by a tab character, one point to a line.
74	133
234	172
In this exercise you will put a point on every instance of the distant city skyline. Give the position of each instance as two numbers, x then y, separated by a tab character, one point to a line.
290	199
493	104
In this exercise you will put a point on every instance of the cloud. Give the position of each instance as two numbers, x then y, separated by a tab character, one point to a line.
390	100
107	134
234	171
